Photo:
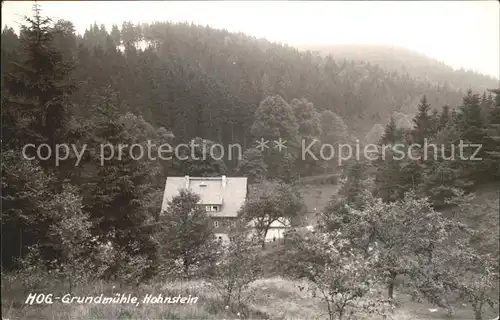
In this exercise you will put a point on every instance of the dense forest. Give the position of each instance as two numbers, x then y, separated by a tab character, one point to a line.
197	81
78	218
409	62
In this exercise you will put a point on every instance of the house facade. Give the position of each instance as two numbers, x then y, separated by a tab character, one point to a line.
276	231
221	197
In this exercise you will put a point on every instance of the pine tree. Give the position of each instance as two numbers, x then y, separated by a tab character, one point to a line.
444	117
389	180
115	35
391	134
37	90
65	39
443	173
471	114
423	122
435	117
472	130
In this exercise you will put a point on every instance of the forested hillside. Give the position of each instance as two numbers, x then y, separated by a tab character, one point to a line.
85	119
197	81
409	62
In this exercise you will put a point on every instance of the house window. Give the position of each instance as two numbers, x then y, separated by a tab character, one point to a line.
211	208
216	224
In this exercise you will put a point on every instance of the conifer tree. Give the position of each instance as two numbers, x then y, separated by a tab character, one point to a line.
472	131
389	179
423	122
391	135
444	117
116	181
37	89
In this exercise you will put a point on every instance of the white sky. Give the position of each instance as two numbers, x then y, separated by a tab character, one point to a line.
460	33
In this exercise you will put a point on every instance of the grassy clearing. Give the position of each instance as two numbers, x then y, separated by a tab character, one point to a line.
274	298
317	197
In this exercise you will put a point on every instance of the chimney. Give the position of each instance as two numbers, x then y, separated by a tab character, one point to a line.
224	182
186	178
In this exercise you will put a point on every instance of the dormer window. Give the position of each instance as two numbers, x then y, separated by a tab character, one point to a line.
211	208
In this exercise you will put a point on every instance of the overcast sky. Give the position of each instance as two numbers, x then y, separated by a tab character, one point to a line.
460	33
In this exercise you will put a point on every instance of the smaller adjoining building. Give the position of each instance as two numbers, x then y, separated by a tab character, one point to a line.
276	230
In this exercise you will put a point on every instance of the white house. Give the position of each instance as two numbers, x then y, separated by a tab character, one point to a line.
277	229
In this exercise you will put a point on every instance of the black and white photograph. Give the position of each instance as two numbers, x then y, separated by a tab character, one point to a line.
277	160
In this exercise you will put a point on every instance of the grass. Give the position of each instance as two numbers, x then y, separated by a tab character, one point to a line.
282	299
316	197
275	298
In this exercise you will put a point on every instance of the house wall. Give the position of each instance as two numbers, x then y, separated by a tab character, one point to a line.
277	233
222	236
224	224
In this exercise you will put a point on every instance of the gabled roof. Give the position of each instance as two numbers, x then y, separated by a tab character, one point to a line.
227	192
